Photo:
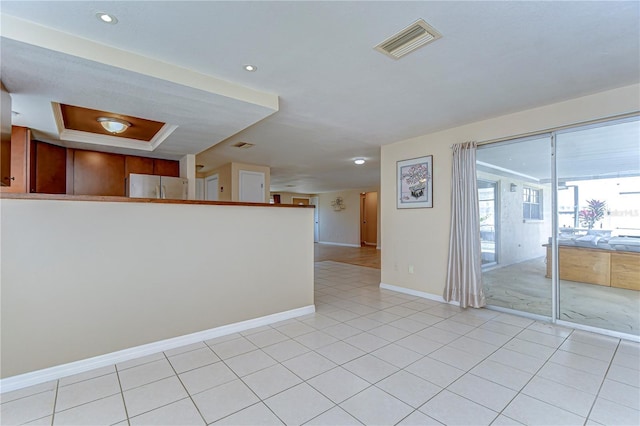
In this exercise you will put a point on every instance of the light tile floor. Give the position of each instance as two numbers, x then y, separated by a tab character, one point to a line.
367	356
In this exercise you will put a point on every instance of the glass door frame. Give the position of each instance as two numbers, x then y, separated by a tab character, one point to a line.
556	216
555	287
496	220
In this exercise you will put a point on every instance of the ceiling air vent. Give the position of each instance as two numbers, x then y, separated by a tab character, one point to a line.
243	145
406	41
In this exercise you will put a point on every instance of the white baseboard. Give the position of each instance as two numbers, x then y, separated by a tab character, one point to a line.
339	244
416	293
53	373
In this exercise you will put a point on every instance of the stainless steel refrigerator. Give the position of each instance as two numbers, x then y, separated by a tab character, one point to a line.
151	186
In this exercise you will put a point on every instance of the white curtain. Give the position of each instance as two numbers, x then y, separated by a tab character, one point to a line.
464	272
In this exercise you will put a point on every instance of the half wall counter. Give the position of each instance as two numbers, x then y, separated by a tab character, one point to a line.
91	281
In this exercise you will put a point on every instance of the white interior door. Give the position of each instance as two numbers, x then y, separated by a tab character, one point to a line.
199	189
251	187
211	188
314	201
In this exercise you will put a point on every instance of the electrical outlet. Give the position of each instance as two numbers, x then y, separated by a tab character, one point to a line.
411	269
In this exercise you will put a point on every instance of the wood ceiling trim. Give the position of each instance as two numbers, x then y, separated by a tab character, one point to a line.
86	120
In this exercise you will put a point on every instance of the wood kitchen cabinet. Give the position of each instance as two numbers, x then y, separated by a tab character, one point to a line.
98	173
5	133
16	179
151	166
48	168
139	165
166	168
41	167
5	158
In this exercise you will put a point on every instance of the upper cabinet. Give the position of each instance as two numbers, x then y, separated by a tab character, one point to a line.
51	169
48	168
98	173
5	132
166	168
151	166
15	178
138	165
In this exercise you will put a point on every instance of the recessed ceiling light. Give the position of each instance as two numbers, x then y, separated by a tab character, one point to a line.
250	68
114	125
359	161
106	18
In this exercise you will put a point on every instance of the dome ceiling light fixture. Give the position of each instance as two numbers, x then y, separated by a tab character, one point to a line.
359	161
250	68
114	125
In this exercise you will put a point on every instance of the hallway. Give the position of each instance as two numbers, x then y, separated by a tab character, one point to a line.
367	256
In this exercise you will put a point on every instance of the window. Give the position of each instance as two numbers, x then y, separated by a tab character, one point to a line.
532	205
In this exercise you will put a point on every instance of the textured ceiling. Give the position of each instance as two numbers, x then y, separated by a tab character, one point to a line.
338	98
579	154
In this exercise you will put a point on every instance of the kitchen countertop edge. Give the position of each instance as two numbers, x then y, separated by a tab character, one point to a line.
111	199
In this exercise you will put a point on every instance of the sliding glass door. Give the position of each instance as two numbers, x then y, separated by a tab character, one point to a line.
563	211
515	223
598	169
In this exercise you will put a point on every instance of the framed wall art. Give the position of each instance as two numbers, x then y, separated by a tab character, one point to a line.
415	183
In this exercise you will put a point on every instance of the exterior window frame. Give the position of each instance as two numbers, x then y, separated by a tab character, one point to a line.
532	197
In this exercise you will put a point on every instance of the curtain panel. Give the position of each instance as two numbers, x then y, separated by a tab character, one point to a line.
464	270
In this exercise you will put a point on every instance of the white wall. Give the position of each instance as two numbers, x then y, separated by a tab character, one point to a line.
339	227
286	197
83	278
420	237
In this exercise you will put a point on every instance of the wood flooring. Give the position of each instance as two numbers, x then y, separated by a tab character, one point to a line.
367	256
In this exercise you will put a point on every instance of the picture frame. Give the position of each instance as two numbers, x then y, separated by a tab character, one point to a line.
415	183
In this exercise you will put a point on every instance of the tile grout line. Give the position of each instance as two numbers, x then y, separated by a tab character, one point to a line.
55	402
124	403
184	387
468	370
260	400
586	418
604	378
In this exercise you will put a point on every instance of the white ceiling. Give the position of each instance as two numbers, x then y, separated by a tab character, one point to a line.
610	150
338	98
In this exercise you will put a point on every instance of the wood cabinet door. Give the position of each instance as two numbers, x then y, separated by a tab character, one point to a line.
5	160
18	178
166	168
140	165
98	173
48	168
